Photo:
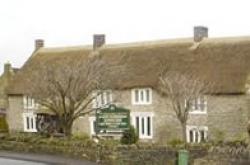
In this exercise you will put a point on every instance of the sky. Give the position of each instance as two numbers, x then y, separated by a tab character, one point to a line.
73	22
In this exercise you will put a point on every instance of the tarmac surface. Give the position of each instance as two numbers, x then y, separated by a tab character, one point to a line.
13	158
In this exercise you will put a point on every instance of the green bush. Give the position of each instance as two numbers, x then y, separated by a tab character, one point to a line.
80	136
129	136
3	125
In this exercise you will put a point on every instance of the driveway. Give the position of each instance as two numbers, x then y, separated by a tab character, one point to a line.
11	158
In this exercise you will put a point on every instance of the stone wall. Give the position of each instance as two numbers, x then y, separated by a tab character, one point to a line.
107	153
227	116
81	125
226	155
165	124
151	155
225	113
110	153
14	113
236	154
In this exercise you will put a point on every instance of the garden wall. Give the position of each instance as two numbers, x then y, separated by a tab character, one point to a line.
108	152
226	155
111	153
152	155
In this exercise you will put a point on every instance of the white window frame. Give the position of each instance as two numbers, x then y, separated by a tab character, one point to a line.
29	103
196	129
144	116
31	117
195	110
142	96
101	100
92	119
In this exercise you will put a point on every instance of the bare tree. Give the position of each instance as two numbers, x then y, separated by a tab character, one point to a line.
181	90
65	86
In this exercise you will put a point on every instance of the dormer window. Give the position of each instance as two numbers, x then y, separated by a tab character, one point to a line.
142	96
102	99
29	102
199	106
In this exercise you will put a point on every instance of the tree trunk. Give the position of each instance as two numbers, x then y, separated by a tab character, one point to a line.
184	133
67	129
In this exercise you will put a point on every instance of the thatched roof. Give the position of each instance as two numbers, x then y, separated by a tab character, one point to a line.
5	80
222	61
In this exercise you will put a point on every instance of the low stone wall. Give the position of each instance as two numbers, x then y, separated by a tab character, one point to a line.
77	151
110	153
226	155
152	155
138	155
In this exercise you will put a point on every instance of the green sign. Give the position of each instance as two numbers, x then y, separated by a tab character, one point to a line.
112	119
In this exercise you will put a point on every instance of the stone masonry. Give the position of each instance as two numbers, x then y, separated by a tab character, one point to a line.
226	113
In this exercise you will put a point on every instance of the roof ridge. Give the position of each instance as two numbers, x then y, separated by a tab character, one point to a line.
148	43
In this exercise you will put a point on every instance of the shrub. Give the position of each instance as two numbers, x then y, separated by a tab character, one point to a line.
239	140
129	136
109	143
80	136
3	125
23	137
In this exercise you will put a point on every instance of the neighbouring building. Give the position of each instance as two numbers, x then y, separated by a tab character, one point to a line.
5	79
222	113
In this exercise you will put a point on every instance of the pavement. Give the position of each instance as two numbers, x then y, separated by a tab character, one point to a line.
43	158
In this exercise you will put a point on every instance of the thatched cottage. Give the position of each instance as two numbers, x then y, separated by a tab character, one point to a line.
222	113
5	79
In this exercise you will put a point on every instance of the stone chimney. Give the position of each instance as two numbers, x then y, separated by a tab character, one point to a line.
98	40
7	68
200	32
39	43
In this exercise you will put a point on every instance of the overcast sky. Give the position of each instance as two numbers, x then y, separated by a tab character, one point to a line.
73	22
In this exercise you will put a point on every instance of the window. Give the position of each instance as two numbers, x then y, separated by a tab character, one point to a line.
142	96
199	105
103	99
143	123
92	123
28	102
196	134
29	121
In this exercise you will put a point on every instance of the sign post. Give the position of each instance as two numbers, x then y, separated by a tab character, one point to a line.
112	120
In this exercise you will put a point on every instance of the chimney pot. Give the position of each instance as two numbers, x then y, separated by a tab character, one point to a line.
39	43
7	68
200	32
98	40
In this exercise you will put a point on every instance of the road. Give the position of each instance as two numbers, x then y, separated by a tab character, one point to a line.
8	161
11	158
